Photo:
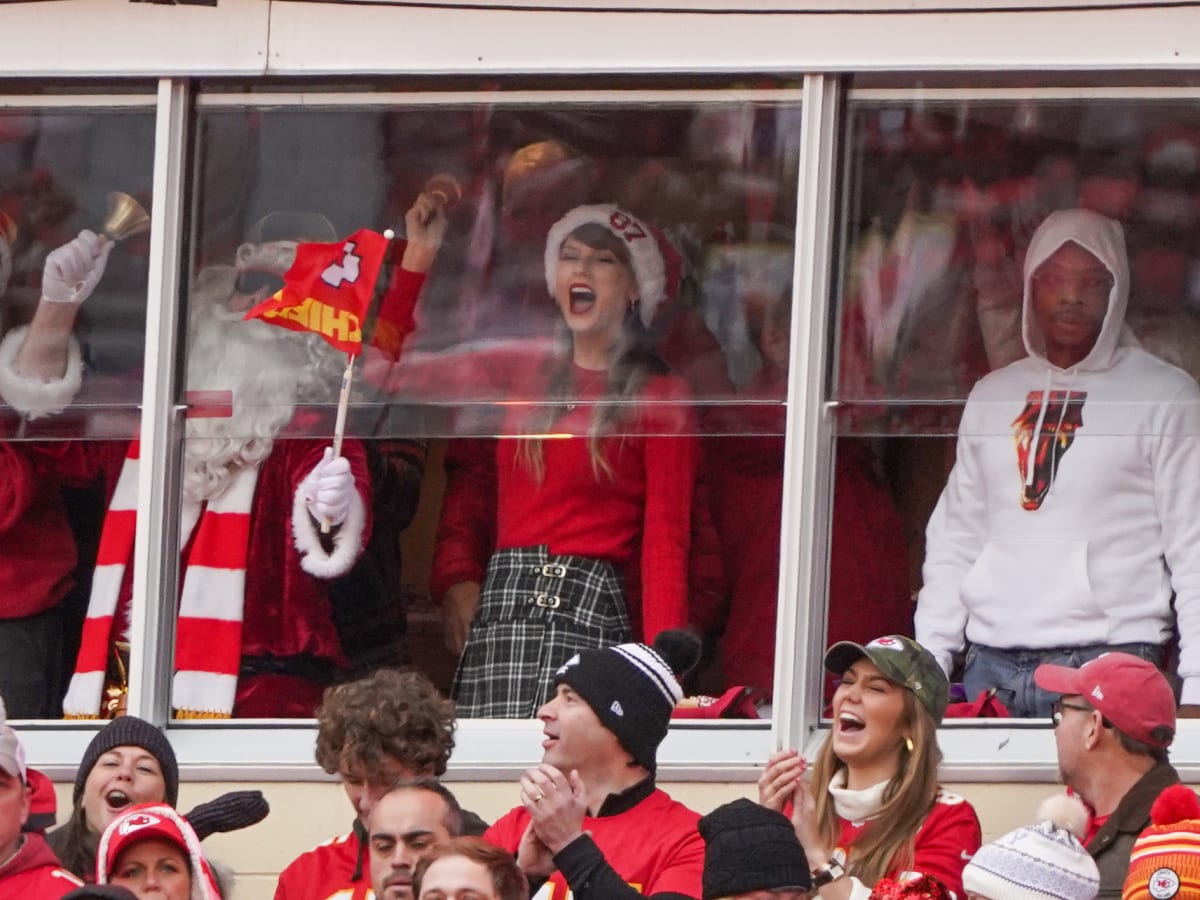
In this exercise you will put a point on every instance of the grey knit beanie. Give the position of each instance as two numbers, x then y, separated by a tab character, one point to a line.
130	731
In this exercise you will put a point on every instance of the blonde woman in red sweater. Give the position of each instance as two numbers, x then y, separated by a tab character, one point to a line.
593	496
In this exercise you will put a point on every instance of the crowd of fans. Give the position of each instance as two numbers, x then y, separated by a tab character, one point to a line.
865	819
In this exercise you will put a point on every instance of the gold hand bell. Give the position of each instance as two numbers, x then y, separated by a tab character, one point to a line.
125	218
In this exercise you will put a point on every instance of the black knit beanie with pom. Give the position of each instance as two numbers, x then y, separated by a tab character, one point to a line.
633	688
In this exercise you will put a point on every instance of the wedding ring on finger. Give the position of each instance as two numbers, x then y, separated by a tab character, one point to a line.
539	798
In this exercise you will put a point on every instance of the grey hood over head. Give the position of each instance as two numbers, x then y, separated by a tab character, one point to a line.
1103	238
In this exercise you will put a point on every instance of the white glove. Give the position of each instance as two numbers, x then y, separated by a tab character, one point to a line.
74	269
329	489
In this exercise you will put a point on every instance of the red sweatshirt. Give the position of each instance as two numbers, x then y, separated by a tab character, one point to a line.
35	874
639	518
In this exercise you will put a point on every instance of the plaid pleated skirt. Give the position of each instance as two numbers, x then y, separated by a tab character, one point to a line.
536	611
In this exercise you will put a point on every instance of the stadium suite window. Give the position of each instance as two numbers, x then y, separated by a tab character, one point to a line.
491	381
943	197
72	378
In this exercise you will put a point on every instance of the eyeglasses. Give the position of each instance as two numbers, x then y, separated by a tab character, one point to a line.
1056	714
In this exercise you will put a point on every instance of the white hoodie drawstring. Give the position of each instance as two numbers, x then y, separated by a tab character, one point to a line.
1031	456
1037	430
1062	415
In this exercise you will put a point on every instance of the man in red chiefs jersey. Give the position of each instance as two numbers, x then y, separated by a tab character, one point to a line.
370	733
405	825
592	824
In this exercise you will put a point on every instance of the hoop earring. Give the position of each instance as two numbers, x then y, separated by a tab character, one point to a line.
908	742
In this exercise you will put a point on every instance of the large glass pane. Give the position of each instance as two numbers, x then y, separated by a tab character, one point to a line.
601	424
1062	523
72	321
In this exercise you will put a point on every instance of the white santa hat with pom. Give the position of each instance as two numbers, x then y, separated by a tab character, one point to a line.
1038	861
654	261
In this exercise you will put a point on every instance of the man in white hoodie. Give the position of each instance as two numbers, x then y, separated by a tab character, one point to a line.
1069	518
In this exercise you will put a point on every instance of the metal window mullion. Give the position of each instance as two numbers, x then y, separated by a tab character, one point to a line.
804	532
156	560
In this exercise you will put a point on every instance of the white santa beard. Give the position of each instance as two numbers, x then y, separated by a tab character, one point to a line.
265	368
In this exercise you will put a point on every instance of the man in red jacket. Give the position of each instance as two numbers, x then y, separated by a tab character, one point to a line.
29	870
592	824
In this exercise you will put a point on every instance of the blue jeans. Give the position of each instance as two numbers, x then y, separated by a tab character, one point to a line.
1011	672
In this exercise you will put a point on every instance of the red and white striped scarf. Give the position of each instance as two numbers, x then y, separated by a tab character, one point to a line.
208	637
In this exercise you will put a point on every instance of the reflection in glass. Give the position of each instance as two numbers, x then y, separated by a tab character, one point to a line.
255	635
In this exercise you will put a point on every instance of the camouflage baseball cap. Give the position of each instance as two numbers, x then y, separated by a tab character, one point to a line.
903	661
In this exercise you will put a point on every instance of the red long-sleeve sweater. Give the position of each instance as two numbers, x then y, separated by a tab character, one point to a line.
643	508
641	512
37	548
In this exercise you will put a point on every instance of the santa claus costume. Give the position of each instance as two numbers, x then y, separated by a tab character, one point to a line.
255	635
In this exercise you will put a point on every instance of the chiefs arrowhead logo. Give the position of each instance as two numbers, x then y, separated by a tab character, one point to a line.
1164	884
137	823
888	643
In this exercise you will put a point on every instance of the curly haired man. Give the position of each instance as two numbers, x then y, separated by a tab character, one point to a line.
371	733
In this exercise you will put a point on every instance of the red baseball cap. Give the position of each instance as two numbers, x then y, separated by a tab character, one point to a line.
43	805
155	820
1127	690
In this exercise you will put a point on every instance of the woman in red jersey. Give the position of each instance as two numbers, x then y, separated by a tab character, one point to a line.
870	806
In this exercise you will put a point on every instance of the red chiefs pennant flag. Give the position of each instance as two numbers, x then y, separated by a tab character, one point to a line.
328	290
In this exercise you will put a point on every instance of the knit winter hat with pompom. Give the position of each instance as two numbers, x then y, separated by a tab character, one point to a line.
1038	861
655	262
1165	860
633	688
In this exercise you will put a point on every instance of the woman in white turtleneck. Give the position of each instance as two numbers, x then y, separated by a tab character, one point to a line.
869	807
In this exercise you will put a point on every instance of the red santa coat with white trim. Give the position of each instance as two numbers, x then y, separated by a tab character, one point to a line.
287	611
287	608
